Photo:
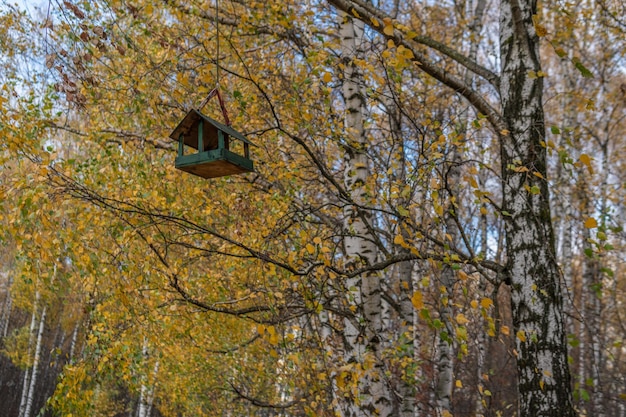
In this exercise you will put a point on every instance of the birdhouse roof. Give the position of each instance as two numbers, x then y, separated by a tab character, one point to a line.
194	116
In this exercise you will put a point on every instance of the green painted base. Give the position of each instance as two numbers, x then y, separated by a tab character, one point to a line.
215	163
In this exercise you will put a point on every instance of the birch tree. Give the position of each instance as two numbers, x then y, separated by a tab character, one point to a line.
541	353
363	332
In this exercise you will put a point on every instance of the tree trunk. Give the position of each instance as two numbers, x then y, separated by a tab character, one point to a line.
7	305
27	372
537	304
35	370
445	345
403	273
362	332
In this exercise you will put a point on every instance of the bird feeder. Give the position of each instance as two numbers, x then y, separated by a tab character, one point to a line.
221	150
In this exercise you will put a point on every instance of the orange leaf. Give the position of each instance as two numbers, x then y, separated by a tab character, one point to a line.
591	223
417	300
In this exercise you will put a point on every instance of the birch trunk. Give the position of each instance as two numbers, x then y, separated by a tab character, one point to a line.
597	334
27	373
476	13
73	342
445	346
143	392
6	308
407	336
537	304
362	333
403	272
35	370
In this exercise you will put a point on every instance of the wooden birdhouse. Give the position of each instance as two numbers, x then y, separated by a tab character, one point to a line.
221	150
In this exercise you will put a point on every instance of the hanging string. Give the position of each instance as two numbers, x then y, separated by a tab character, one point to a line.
216	90
217	41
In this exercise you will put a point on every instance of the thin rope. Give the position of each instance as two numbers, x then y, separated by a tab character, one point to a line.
217	37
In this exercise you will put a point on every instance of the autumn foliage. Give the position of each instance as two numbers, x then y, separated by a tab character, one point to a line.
374	264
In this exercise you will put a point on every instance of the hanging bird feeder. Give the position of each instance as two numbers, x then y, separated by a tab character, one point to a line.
221	150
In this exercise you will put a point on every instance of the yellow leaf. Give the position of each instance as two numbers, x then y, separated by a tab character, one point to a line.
461	319
504	330
317	240
541	383
486	302
521	335
391	44
399	240
474	304
310	248
408	54
446	413
586	160
375	22
327	77
458	383
462	275
591	223
273	335
540	30
417	300
388	30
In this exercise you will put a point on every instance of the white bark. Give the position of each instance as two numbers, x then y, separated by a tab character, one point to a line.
141	409
27	373
362	333
445	346
73	342
403	273
146	395
541	349
6	307
35	370
148	387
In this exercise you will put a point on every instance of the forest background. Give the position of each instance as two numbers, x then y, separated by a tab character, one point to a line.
434	226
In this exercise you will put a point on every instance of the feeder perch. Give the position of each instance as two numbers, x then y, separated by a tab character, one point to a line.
221	150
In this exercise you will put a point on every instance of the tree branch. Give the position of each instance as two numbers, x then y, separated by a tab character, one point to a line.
367	14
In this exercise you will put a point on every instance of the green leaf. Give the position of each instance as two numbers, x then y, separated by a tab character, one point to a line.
403	212
555	130
582	69
607	271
